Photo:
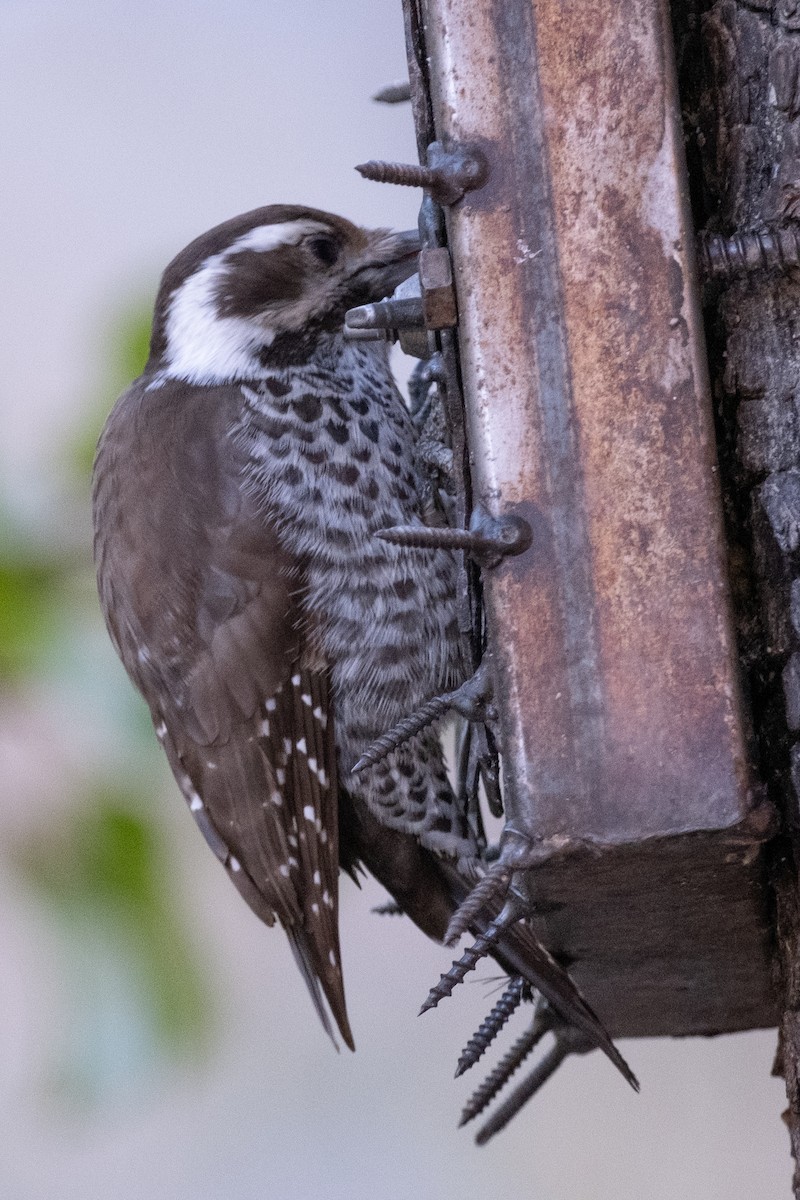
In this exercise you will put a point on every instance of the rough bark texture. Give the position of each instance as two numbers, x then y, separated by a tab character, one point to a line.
740	83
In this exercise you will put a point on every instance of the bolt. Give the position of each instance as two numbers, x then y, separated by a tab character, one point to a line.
387	314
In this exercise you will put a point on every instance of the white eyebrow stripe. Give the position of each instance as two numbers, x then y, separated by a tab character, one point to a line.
202	346
269	237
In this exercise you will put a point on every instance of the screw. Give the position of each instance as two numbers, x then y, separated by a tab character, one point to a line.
393	93
403	174
529	1087
472	700
764	249
497	1079
489	539
383	746
368	335
483	945
489	891
482	1039
447	176
387	314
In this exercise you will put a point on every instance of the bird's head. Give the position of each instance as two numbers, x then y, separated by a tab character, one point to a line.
277	275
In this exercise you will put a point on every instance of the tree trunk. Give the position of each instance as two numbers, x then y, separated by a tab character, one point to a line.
740	86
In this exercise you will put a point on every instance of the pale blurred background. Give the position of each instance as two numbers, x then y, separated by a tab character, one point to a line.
156	1041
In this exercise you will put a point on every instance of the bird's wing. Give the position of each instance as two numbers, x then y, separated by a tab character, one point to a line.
207	609
265	799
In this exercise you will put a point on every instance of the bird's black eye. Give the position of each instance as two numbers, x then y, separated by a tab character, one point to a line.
325	249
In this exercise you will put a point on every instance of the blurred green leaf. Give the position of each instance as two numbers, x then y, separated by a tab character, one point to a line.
133	344
30	623
138	991
106	874
128	350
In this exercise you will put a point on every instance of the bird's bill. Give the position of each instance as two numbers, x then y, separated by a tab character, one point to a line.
390	259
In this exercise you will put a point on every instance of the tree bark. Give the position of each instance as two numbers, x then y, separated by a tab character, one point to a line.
739	67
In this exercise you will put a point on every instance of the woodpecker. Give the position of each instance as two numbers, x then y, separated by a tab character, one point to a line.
238	486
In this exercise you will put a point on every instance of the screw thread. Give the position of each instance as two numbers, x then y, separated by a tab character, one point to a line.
497	1078
404	174
529	1087
393	93
488	543
383	746
491	888
387	315
766	249
469	960
489	1029
419	537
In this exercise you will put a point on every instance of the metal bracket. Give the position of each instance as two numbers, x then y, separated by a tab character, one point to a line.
426	301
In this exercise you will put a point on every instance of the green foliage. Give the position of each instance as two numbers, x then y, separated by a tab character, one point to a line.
30	624
138	990
128	354
104	873
133	344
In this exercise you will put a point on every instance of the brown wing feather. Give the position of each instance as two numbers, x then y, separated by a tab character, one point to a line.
280	852
202	603
300	738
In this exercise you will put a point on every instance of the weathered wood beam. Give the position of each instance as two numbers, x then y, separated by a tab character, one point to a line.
588	413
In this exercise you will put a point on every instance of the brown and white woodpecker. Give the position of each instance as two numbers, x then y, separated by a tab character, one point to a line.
238	486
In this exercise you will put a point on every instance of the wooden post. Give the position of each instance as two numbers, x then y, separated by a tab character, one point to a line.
624	739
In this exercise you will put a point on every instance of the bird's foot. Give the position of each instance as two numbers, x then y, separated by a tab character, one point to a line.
518	852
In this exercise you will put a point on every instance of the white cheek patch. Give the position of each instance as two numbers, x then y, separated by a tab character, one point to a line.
202	346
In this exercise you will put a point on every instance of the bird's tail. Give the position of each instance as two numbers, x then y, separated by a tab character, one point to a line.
429	889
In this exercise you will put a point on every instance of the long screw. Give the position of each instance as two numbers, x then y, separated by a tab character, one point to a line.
488	1030
497	1079
421	537
393	93
488	542
448	174
491	888
469	960
403	174
765	249
409	727
546	1067
472	700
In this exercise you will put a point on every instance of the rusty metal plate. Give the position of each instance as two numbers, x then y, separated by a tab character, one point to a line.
588	413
